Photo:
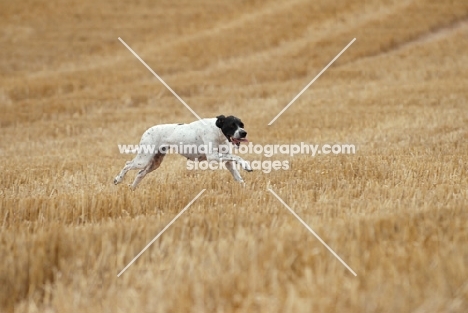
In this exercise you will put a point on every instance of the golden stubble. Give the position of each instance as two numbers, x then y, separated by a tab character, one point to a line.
395	211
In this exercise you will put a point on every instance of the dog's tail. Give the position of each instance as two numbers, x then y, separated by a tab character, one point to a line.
127	149
133	151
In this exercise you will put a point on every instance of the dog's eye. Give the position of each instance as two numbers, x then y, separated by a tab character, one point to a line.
241	125
233	124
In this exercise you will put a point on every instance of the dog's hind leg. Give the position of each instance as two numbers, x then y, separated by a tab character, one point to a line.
153	164
129	165
157	160
139	162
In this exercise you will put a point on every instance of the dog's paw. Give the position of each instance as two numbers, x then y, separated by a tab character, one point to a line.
246	166
116	181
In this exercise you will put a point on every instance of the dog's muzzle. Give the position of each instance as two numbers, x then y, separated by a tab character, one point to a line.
241	138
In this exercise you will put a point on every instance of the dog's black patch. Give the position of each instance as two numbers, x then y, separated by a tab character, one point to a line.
229	125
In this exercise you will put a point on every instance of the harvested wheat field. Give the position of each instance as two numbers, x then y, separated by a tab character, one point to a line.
394	211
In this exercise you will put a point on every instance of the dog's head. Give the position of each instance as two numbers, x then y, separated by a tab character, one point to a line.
233	128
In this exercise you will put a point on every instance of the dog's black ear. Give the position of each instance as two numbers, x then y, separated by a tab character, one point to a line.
220	120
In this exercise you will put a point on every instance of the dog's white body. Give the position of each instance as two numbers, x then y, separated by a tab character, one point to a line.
162	137
195	133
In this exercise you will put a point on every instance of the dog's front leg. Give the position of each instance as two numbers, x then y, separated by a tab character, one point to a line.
229	157
234	172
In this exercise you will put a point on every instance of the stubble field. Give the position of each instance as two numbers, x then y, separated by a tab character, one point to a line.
395	211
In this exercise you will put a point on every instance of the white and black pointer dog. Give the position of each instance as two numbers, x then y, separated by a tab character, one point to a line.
217	132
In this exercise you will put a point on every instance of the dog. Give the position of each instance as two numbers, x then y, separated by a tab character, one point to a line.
215	133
